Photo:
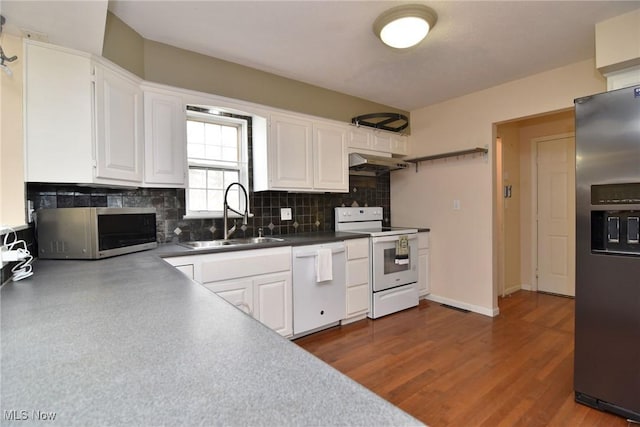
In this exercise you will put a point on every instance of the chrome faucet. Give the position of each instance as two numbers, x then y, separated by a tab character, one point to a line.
226	208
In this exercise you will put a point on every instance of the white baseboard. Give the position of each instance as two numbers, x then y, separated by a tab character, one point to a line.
526	287
512	290
463	305
354	319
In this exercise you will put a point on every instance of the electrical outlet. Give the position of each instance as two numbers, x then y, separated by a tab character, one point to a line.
285	214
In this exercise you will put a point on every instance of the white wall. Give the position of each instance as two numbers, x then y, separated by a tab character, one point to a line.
463	266
12	210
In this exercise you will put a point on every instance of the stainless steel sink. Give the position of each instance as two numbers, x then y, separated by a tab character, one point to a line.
208	244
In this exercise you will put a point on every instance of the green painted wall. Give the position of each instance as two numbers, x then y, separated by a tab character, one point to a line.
161	63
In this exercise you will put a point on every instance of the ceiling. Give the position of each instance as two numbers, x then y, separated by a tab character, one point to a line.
474	45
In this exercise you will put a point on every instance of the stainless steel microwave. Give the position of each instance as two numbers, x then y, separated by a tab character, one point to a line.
94	233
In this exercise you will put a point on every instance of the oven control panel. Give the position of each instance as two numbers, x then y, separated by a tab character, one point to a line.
358	214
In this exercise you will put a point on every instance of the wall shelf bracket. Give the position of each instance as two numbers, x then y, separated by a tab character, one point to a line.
477	150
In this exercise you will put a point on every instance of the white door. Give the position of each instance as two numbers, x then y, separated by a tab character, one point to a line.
556	215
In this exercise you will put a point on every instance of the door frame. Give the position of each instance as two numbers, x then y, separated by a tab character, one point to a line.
534	201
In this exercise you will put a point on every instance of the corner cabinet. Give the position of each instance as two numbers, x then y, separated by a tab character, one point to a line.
358	277
83	119
423	264
302	155
165	135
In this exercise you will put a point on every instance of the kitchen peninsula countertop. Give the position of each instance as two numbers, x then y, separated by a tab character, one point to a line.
131	341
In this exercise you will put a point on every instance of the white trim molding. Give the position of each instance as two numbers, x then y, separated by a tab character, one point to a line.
463	305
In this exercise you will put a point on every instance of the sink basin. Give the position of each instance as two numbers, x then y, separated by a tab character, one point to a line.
257	240
208	244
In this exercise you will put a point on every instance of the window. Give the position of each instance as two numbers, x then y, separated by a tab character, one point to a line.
217	156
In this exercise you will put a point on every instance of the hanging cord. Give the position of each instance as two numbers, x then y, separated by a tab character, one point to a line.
3	57
23	269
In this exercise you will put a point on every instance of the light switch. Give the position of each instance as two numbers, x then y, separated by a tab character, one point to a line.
456	205
285	214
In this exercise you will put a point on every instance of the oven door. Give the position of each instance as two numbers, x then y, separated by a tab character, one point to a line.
390	270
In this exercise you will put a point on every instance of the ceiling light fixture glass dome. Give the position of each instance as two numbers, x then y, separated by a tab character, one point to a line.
405	26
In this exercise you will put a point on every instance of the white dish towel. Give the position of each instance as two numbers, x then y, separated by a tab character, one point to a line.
324	267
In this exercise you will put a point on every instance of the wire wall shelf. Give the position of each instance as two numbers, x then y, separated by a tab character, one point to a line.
471	151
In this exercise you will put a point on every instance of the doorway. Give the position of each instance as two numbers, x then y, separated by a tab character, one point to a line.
516	201
556	213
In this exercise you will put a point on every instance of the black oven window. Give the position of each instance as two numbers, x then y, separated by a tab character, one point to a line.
391	264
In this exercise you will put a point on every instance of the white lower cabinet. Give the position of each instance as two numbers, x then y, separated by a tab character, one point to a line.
272	302
358	274
257	281
423	264
238	293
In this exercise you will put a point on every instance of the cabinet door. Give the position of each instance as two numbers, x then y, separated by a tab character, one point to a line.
119	144
423	272
186	269
357	300
359	138
381	142
238	293
399	145
272	302
58	91
291	153
165	136
331	168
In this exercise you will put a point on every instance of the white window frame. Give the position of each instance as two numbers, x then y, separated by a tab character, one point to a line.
243	162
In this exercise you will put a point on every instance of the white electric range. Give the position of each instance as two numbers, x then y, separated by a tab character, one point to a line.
393	253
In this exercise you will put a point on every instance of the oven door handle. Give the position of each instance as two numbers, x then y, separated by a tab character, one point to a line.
383	239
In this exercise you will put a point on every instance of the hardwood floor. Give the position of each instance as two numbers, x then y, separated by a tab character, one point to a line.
450	368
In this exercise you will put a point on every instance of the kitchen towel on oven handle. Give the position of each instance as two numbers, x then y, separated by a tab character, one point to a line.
402	250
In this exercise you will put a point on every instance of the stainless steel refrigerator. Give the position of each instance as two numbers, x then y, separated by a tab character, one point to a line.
607	327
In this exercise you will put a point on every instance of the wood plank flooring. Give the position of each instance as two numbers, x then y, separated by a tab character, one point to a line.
450	368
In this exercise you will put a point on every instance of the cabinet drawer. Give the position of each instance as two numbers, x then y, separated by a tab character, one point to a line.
247	263
358	272
357	249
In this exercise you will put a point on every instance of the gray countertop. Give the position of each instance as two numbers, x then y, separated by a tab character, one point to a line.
131	341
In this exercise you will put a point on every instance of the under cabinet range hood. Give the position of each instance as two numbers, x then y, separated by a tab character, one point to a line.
367	164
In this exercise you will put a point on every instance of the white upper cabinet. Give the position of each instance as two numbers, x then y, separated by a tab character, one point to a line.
83	120
302	155
165	139
381	142
58	96
119	131
291	144
399	145
360	138
331	167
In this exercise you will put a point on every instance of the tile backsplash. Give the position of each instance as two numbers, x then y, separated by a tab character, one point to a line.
311	212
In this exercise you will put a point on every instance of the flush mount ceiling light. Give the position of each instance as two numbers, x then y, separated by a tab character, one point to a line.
405	26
